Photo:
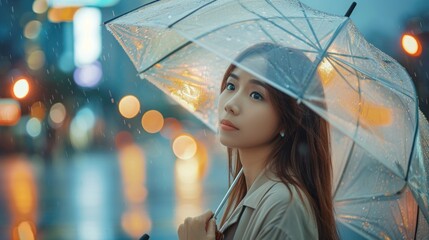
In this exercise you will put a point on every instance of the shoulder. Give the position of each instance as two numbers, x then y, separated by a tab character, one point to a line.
285	197
282	203
286	213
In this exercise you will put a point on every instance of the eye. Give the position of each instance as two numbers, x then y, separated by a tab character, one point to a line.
230	87
256	96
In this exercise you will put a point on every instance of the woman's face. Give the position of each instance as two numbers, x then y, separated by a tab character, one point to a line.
245	102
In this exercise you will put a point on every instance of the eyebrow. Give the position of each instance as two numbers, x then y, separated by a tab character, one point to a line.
252	81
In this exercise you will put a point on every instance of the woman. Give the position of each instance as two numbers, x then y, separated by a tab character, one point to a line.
283	148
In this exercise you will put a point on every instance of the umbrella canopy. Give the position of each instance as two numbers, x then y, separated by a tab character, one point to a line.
379	156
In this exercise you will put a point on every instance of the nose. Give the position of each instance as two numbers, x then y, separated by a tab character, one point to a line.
232	107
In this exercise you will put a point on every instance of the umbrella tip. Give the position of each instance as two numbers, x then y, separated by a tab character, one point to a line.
351	8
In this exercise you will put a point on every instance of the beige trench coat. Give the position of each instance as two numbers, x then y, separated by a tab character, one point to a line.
270	212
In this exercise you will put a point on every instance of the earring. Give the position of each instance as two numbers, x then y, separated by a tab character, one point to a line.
282	134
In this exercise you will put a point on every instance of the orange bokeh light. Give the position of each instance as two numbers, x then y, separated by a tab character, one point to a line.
21	88
152	121
38	110
10	112
411	45
64	14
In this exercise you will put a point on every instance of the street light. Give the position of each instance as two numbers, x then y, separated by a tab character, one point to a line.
411	45
21	88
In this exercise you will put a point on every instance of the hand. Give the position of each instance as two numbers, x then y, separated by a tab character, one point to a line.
202	227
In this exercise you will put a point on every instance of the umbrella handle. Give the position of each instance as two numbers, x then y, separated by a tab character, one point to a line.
216	213
351	8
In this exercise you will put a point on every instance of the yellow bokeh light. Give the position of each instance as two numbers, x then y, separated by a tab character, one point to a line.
133	168
32	29
129	106
184	147
25	232
152	121
187	170
57	114
326	72
36	60
21	88
411	45
135	222
40	6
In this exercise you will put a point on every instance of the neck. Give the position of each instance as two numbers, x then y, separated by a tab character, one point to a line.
253	161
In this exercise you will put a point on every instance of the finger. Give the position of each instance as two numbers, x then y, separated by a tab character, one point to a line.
188	220
207	215
211	230
180	231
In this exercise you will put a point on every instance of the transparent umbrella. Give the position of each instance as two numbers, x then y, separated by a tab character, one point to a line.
379	139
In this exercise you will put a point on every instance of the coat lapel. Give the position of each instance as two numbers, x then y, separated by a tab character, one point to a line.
233	218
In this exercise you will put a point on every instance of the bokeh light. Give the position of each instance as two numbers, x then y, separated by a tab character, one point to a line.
81	134
411	45
40	6
87	35
136	221
25	231
34	127
57	114
36	60
65	14
38	110
172	128
129	106
32	29
10	112
152	121
184	147
187	172
21	88
326	72
88	75
133	171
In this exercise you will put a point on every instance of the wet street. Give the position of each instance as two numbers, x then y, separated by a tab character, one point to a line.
104	194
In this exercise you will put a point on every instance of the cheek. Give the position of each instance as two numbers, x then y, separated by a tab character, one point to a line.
221	102
262	124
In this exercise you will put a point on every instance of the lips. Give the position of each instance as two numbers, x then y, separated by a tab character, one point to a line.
228	123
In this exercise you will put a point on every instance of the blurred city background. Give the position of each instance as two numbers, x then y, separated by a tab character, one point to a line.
90	151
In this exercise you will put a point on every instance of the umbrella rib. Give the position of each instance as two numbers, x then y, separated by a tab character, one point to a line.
366	235
388	84
311	26
278	26
319	58
294	26
132	10
347	55
343	67
414	140
190	13
380	197
339	73
201	36
266	33
166	56
356	129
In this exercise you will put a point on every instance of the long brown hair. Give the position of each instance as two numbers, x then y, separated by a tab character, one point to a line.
301	158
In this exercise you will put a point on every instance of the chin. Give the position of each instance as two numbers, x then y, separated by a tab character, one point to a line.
228	142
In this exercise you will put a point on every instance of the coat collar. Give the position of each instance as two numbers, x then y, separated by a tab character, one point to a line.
262	184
